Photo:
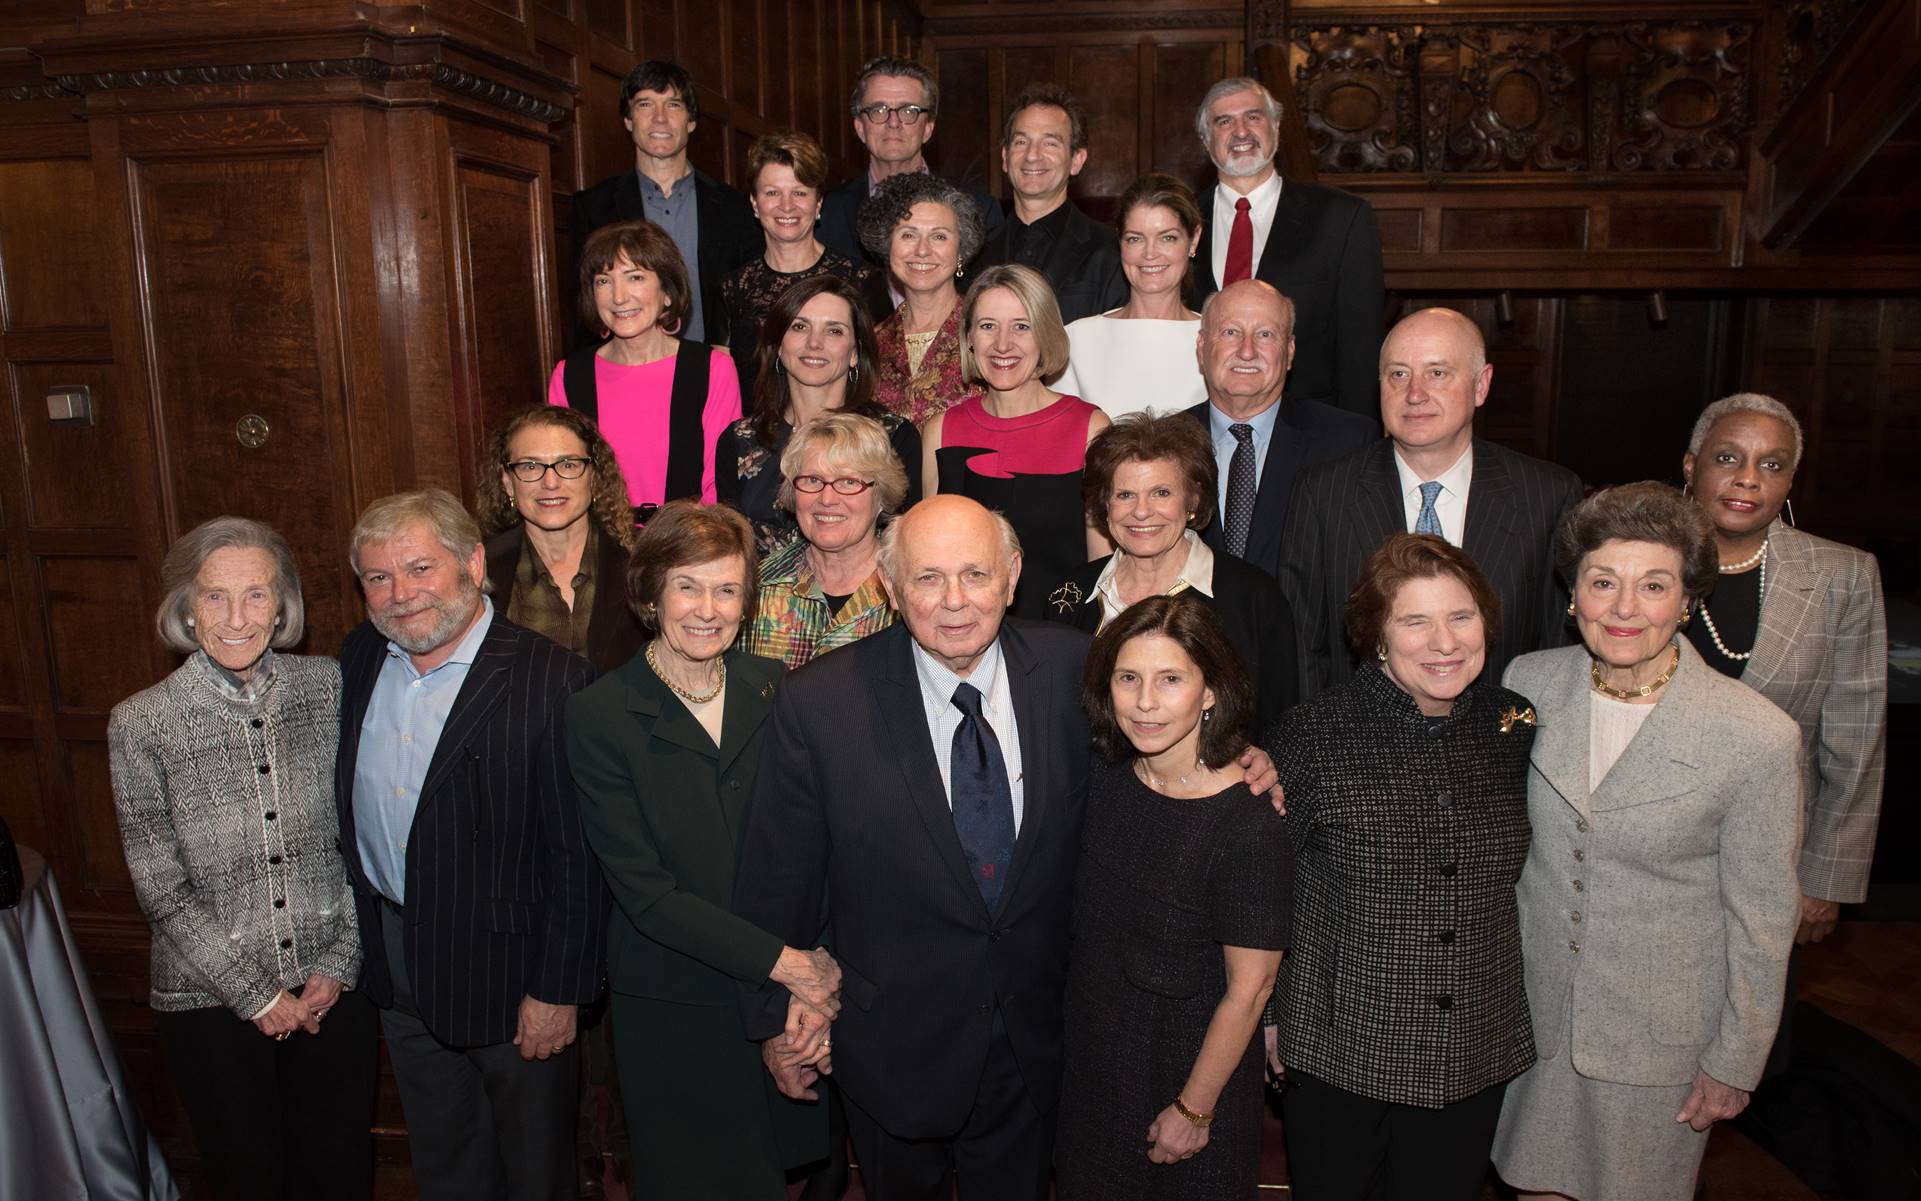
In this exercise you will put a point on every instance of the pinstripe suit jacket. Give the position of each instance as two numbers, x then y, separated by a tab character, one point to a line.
1345	508
504	900
1822	656
1658	909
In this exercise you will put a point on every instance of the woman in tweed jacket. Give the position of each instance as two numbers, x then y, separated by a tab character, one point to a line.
223	781
1402	1012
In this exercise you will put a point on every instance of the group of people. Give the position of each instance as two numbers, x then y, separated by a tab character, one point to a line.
1043	711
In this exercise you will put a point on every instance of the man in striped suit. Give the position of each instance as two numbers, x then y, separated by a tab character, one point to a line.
1430	475
481	910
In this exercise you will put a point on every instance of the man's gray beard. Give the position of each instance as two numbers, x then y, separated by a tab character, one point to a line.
1255	167
443	630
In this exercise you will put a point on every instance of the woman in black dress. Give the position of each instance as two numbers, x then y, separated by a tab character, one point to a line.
1150	484
816	356
1181	909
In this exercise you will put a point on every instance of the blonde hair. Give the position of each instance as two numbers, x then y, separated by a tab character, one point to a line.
1031	288
853	443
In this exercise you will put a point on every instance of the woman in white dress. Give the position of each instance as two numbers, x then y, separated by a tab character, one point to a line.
1141	355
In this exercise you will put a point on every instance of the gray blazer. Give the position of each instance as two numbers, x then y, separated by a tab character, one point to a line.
1822	656
1657	912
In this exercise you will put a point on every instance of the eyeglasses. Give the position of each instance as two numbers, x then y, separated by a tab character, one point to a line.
909	114
532	471
846	485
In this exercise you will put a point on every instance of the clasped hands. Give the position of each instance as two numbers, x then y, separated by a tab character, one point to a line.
291	1013
802	1053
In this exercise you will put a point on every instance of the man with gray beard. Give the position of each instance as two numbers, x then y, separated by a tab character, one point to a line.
481	909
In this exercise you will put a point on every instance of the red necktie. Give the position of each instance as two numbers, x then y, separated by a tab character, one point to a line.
1240	246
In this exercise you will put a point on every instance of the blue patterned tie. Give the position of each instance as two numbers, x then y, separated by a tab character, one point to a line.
982	798
1429	522
1239	518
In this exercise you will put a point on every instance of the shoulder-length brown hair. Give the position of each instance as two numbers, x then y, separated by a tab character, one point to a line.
1144	438
609	508
1405	557
646	246
686	533
770	383
1193	626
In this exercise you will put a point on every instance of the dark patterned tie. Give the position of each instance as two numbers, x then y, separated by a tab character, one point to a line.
1428	521
1239	517
982	799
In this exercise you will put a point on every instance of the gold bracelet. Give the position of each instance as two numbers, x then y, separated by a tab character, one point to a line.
1199	1119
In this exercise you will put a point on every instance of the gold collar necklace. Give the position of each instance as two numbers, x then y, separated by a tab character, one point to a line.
1630	694
677	690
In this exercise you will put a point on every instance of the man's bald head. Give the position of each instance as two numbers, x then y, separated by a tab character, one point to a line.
1434	375
1245	347
950	566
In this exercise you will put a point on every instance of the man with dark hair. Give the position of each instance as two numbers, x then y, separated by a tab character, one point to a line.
711	224
1043	146
894	104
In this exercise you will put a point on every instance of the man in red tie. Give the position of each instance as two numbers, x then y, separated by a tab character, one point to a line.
1319	246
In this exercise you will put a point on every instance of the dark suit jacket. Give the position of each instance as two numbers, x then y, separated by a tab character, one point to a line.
613	636
1307	432
1343	510
1258	620
1324	253
1083	263
849	820
840	210
503	899
729	236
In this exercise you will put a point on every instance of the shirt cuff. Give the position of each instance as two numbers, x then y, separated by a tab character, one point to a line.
267	1008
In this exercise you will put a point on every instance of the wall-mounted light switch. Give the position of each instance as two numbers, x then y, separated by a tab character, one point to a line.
70	404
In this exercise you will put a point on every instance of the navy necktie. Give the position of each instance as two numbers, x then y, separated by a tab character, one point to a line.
1239	518
982	799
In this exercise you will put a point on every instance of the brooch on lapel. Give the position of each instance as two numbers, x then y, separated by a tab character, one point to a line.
1512	716
1065	597
767	693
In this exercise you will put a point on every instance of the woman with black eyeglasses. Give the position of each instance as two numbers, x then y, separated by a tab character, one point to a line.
560	527
841	477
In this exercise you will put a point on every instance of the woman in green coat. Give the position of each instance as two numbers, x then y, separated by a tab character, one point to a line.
664	751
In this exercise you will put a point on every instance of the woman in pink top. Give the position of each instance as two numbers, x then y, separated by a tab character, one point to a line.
1019	446
661	402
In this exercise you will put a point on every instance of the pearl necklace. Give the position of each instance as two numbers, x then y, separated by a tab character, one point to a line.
1759	556
676	689
1628	694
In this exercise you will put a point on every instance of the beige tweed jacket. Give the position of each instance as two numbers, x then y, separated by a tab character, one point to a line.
1822	656
1657	912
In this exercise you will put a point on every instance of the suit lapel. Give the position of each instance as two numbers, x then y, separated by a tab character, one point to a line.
1204	253
1490	516
1031	691
1662	758
628	205
1560	751
1378	511
480	693
749	699
905	717
1792	600
1284	234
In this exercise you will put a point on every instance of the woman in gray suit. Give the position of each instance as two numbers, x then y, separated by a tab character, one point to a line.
1801	621
1659	902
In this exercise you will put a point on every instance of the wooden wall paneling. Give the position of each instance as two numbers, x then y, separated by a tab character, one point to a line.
963	147
659	26
744	43
1106	80
1183	71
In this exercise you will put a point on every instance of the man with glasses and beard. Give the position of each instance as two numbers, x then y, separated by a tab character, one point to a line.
482	911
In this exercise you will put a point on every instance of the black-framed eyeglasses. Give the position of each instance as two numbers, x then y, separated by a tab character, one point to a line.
909	114
846	485
532	471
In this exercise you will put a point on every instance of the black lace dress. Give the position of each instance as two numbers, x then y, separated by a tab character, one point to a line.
752	289
1163	885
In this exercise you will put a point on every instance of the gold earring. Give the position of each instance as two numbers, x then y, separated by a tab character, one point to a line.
1570	608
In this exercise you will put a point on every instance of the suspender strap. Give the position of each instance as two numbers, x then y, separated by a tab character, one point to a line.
685	408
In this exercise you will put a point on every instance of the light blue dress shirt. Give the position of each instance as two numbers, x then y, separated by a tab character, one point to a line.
404	719
1224	444
937	686
679	215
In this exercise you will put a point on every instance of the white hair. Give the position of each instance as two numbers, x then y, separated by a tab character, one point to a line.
181	568
887	545
1227	87
1745	402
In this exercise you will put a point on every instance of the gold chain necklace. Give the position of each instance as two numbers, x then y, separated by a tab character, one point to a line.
1629	694
677	690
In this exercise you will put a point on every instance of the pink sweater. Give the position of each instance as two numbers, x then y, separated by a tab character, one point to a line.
633	418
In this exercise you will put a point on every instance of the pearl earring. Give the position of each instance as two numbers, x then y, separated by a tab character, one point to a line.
1570	608
1380	652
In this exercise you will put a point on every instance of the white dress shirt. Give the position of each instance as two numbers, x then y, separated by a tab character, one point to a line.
1450	506
937	685
1197	574
1261	203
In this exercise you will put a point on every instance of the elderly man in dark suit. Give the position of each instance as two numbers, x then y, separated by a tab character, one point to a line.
1318	245
1043	146
711	224
482	911
1262	440
1431	475
894	104
921	794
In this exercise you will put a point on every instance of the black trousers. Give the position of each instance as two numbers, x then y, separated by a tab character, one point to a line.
1342	1146
1002	1153
278	1121
482	1123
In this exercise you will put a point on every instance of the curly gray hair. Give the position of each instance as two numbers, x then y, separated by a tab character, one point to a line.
178	571
1745	402
896	197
